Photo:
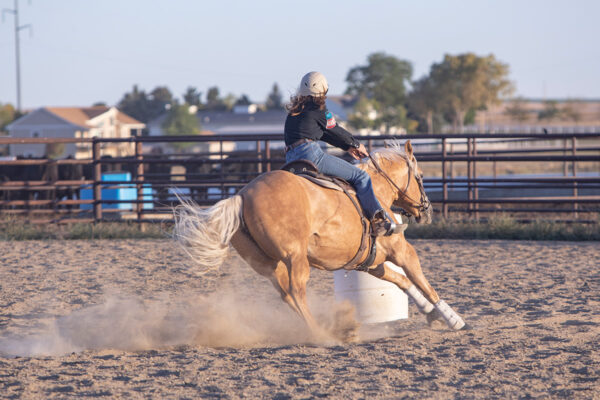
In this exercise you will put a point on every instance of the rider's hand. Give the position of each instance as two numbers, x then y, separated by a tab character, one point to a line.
358	153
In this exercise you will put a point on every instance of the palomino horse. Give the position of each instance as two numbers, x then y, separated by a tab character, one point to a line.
282	224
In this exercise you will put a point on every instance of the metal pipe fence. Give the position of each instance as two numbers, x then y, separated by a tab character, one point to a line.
529	175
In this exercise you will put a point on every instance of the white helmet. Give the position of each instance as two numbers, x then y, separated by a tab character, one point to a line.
313	84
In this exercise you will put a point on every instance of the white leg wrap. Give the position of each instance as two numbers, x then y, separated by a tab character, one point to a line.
424	305
453	320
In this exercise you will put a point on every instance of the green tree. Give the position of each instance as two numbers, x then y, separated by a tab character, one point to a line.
192	97
135	104
424	101
364	114
7	115
145	107
383	80
470	116
178	122
274	99
468	81
212	97
160	99
229	101
243	100
215	102
517	111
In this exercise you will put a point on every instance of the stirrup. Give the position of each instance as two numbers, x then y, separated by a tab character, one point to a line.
383	225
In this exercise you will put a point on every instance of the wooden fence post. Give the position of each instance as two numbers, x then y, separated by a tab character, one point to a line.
139	176
475	188
268	154
259	164
221	157
469	187
574	170
444	181
451	162
565	165
97	180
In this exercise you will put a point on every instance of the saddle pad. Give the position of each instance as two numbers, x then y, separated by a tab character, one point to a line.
325	183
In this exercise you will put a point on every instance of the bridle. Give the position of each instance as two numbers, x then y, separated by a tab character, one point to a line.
424	202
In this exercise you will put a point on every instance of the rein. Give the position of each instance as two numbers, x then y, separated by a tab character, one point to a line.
422	205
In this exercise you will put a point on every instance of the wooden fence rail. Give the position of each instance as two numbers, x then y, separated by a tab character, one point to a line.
566	179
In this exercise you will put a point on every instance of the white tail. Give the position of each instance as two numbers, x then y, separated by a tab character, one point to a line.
205	233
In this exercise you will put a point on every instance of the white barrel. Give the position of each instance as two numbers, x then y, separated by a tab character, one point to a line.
375	300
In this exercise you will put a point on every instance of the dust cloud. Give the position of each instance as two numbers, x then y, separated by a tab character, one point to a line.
226	318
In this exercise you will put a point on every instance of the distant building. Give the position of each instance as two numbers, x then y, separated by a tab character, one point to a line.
242	120
74	122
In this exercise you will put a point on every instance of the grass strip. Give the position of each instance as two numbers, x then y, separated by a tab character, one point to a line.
498	227
11	230
505	228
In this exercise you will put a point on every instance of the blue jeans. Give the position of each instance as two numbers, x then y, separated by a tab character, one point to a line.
331	165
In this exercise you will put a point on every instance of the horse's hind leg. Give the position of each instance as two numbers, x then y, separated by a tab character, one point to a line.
289	278
274	270
409	261
298	270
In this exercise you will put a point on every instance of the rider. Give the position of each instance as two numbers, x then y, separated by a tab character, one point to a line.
309	121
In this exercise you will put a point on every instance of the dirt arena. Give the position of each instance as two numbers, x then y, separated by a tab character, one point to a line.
132	319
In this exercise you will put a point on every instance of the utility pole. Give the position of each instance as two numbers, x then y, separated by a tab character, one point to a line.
15	12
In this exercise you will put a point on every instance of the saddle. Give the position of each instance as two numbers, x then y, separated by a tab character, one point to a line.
309	170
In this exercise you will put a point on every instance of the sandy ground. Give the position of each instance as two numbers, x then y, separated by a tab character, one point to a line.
133	319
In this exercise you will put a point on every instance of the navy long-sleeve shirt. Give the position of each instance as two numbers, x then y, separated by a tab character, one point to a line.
316	124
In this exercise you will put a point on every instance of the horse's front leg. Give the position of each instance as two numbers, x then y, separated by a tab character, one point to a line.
428	301
384	272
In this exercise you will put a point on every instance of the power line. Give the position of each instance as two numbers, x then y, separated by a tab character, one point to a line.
18	28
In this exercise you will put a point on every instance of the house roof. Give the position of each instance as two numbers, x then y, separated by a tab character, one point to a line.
77	115
80	115
127	120
226	122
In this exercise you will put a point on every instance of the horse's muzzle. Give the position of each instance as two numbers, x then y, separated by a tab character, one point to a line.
424	216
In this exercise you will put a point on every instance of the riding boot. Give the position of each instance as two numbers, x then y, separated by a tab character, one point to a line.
383	225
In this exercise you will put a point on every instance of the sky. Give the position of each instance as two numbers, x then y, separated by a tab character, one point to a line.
80	52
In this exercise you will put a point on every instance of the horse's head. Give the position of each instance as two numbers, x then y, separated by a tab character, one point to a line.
403	173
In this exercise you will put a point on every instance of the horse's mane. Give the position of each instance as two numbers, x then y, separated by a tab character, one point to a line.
393	151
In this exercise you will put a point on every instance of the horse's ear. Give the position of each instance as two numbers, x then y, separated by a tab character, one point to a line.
408	148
